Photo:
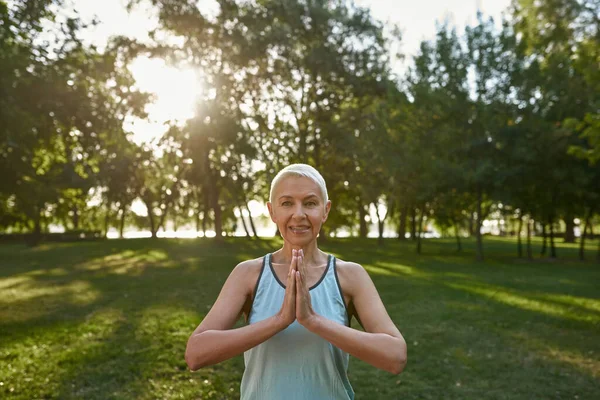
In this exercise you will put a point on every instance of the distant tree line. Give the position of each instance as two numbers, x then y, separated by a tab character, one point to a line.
501	119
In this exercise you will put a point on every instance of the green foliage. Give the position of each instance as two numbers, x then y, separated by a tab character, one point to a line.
590	130
61	112
500	113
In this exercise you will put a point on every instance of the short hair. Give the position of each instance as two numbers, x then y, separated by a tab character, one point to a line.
304	170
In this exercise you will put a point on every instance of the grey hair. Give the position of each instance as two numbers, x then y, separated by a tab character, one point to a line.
304	170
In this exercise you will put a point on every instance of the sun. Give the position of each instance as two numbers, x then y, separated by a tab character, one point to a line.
175	93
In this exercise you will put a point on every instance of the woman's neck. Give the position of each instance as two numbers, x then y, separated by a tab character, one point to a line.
312	255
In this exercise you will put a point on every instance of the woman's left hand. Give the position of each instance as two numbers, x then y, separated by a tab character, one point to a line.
304	311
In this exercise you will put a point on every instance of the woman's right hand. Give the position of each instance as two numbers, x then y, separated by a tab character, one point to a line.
287	314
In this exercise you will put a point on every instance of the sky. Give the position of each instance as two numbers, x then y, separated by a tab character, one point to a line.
417	18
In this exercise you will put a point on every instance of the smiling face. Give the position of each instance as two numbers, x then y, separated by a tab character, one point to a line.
298	209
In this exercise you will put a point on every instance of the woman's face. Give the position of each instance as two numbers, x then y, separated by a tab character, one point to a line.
298	209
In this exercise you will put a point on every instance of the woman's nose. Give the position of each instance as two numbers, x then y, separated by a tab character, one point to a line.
299	211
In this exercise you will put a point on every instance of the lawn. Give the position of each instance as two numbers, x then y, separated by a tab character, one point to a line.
110	319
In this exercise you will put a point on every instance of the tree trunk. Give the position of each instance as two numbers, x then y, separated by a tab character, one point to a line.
389	210
251	221
216	209
552	247
302	146
94	218
478	225
37	227
218	221
413	224
519	244
106	220
244	223
75	219
317	153
472	224
380	226
197	221
582	240
457	235
153	226
544	236
175	222
122	222
402	225
420	230
163	216
529	254
151	218
362	223
569	229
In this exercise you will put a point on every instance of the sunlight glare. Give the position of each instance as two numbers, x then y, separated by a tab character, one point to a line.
175	93
257	208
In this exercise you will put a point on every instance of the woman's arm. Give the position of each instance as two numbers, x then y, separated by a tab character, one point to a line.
382	345
214	341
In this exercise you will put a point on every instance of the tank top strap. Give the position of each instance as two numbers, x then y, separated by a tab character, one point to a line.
267	280
265	263
330	286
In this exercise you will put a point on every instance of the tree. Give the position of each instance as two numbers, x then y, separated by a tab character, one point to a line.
66	108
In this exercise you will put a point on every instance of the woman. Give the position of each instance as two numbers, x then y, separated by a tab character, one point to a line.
298	302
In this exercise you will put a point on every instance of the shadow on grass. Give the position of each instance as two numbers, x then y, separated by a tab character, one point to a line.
489	316
111	319
143	358
51	294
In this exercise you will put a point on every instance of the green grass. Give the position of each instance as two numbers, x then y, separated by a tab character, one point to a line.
110	320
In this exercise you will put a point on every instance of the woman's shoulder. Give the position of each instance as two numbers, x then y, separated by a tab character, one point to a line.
350	274
347	266
249	266
245	274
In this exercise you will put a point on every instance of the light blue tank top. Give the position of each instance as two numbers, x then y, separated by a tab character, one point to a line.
297	364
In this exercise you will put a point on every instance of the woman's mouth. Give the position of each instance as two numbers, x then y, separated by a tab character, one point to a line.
299	229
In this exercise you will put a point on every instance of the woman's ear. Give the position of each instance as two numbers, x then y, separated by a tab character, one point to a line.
327	208
270	207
